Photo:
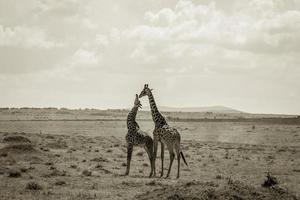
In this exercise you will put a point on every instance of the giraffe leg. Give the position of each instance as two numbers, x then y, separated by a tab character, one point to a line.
149	150
172	155
155	145
177	150
129	154
162	158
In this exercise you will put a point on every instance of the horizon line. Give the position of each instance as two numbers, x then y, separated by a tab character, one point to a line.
128	108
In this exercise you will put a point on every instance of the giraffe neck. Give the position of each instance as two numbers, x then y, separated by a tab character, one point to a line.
131	123
158	119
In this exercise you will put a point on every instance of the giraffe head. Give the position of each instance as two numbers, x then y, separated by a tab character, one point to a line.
137	102
145	92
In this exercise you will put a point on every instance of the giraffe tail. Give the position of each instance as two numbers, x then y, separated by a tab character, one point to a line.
183	158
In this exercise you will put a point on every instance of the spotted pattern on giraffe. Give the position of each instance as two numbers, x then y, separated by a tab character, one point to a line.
164	134
167	134
136	137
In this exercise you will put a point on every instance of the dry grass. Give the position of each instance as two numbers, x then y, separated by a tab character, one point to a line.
211	190
225	162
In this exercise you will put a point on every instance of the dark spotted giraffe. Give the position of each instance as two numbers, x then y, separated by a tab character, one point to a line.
164	134
136	137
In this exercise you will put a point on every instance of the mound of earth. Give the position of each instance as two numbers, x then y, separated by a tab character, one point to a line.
18	148
227	190
16	139
17	144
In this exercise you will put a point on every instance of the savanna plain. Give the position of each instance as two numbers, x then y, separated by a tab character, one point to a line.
81	154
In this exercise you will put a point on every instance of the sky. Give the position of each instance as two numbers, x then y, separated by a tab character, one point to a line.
243	54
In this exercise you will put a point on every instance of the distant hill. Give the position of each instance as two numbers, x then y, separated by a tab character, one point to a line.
215	109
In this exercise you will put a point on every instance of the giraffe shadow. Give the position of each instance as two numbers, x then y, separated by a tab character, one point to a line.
140	176
131	176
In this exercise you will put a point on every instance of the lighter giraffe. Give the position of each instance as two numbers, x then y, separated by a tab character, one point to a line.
164	134
136	137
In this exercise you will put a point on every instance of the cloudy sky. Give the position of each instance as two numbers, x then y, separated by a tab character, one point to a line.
243	54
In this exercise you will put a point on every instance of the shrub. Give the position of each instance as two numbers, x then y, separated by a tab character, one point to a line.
14	173
87	172
270	181
33	186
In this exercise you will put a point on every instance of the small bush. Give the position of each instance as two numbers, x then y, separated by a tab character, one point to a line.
175	197
73	166
60	182
56	172
44	149
87	173
33	186
99	159
23	169
151	183
14	173
270	181
3	154
219	176
49	163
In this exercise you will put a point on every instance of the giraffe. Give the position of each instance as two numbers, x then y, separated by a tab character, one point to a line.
164	134
136	137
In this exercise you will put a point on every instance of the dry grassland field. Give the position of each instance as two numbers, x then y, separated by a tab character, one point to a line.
81	154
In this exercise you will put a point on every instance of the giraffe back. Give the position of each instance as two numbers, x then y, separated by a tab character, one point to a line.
167	134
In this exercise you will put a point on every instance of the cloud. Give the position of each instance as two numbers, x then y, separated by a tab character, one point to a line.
140	54
18	60
163	17
205	36
218	52
84	57
26	37
271	32
101	40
